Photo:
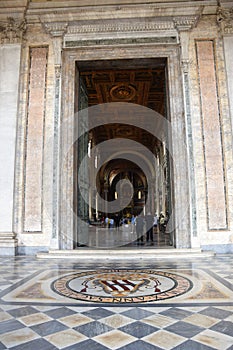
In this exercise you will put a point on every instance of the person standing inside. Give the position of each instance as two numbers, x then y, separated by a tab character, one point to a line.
139	229
133	223
149	227
156	223
117	221
162	223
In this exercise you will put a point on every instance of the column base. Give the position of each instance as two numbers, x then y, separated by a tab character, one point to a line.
8	244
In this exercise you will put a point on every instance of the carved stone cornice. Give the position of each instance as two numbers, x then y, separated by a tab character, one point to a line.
185	23
224	18
55	29
12	31
121	32
110	27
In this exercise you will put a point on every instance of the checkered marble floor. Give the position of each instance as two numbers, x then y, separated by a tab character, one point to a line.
34	326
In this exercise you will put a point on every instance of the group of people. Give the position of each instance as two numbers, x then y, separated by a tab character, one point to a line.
152	224
148	224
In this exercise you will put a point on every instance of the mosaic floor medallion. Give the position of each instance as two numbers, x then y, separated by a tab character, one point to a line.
123	286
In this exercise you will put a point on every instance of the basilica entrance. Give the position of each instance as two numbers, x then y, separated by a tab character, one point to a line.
122	151
123	169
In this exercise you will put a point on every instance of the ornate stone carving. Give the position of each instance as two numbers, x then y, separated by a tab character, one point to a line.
12	31
185	65
225	19
55	28
183	23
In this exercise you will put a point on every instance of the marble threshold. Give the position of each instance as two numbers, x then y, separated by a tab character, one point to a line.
125	253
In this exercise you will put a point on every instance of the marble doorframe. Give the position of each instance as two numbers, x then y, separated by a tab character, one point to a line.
181	193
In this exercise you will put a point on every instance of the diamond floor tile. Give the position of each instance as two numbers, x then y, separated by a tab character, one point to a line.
33	321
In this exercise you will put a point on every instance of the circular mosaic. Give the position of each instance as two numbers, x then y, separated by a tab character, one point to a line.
122	286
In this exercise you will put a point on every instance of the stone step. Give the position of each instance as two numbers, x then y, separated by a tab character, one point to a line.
114	254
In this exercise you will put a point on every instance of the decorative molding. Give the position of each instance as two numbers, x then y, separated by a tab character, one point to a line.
12	31
225	19
156	25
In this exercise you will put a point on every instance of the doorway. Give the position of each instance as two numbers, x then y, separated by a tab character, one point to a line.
76	63
147	188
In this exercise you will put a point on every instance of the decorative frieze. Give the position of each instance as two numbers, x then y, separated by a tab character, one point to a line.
225	19
12	31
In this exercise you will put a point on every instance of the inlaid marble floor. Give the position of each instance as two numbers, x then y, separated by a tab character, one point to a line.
127	305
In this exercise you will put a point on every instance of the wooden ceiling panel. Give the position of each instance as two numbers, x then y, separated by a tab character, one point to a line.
140	86
145	87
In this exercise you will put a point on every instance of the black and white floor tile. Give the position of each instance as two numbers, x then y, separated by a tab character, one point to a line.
33	316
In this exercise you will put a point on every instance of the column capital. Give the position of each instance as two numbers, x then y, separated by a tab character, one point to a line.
12	31
224	17
56	30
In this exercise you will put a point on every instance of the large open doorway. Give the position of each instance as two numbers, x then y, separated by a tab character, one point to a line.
76	63
141	186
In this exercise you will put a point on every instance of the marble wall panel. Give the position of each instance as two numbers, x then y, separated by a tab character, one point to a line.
9	80
212	139
34	140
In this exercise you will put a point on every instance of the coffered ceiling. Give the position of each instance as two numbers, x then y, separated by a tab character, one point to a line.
139	81
145	87
131	81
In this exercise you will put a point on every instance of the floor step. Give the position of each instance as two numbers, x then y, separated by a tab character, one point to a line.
114	254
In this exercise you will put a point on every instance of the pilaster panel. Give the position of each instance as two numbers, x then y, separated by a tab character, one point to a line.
212	141
34	140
